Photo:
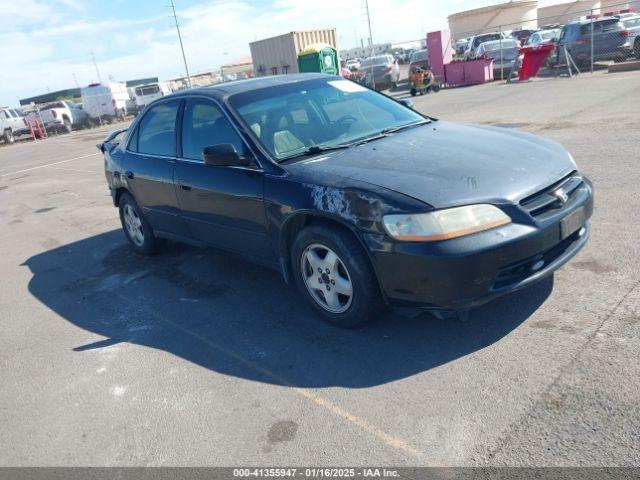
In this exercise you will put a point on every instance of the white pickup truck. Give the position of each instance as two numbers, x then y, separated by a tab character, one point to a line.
12	124
63	116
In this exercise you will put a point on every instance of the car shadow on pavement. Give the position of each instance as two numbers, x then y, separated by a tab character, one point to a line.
220	312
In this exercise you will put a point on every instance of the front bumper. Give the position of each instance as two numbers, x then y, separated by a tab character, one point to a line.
468	271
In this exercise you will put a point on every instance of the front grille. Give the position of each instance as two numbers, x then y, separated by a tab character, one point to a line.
548	200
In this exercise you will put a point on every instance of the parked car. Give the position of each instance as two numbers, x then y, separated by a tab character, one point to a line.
474	43
145	94
382	71
503	52
521	35
353	64
419	58
609	40
105	100
461	46
63	116
632	25
353	197
542	37
12	124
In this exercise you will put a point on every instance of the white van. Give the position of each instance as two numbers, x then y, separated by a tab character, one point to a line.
147	93
105	100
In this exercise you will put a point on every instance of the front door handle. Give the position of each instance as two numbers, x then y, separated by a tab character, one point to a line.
129	174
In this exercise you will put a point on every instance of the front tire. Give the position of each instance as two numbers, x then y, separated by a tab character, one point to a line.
136	227
334	274
8	136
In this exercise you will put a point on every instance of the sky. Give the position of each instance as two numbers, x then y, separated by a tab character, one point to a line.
49	43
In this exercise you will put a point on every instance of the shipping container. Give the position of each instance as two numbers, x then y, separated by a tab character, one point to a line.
278	55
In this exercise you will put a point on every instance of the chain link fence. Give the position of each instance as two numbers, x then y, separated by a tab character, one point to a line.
578	40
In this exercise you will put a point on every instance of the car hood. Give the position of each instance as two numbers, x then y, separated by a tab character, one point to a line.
445	164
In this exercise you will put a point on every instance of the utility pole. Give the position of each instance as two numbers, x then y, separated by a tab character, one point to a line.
75	79
366	3
184	58
93	57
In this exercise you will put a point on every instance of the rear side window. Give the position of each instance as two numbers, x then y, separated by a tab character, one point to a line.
203	125
156	132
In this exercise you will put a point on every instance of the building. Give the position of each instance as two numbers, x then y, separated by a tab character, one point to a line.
513	15
238	69
68	94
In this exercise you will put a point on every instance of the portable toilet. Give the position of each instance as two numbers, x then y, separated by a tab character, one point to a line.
319	57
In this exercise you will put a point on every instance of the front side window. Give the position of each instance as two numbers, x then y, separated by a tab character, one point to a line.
204	125
289	119
156	132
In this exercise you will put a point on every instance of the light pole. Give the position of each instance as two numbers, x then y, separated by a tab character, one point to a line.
184	58
366	3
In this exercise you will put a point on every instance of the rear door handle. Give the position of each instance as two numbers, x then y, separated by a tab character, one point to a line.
129	174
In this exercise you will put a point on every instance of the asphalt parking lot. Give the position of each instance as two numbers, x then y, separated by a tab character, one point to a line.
195	357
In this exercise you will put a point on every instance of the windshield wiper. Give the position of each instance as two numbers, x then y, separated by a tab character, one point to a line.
314	149
402	127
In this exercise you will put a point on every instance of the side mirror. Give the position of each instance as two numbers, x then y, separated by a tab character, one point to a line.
406	102
223	155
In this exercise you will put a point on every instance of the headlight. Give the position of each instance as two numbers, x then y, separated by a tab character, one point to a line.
444	224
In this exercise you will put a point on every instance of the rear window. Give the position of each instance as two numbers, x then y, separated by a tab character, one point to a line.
601	26
485	38
495	45
374	61
419	56
147	90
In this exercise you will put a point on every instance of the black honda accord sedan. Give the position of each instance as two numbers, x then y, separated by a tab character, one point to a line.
357	199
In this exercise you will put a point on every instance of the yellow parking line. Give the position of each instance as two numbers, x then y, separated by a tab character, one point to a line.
387	438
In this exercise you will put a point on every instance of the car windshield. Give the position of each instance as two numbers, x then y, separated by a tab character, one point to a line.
301	118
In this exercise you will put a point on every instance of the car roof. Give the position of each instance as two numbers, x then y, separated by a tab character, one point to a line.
222	90
595	20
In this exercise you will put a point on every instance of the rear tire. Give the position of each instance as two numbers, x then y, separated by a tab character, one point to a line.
636	48
8	136
136	227
343	290
66	125
413	92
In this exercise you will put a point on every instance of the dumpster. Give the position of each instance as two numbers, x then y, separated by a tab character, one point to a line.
534	58
469	72
319	57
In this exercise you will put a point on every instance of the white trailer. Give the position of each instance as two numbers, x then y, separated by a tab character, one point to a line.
105	100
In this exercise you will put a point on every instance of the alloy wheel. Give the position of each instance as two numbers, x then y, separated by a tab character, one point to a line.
326	278
134	225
